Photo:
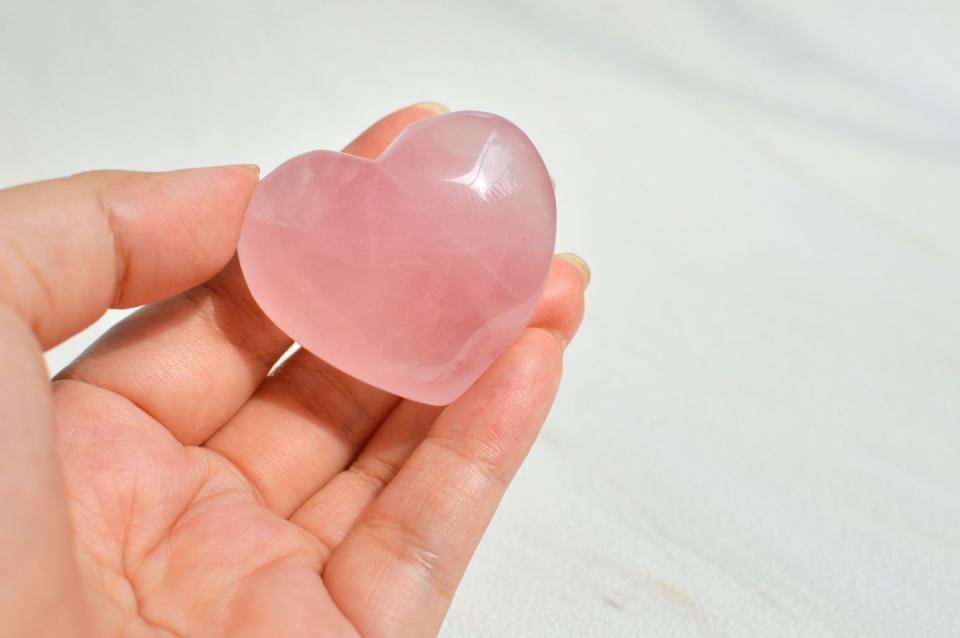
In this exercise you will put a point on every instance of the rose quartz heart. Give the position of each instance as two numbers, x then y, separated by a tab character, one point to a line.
411	272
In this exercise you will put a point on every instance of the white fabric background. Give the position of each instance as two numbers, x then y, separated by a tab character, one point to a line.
759	429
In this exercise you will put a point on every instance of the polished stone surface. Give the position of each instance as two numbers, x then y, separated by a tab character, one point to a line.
412	272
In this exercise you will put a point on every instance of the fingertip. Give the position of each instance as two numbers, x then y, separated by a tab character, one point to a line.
236	188
373	141
435	108
231	179
548	357
250	168
579	263
561	306
561	338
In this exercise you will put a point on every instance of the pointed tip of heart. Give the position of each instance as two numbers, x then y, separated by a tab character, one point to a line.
434	107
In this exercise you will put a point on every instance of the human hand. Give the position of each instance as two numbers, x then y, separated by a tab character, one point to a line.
166	484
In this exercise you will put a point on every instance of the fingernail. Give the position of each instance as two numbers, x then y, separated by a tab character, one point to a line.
580	264
434	107
253	168
560	338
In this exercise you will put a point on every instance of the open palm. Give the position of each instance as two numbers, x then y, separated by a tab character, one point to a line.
168	483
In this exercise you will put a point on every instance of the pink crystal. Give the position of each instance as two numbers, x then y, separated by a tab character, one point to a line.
411	272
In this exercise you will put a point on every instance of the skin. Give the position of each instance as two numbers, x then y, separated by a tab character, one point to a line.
166	484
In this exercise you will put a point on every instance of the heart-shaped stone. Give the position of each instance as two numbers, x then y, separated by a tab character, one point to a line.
411	272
